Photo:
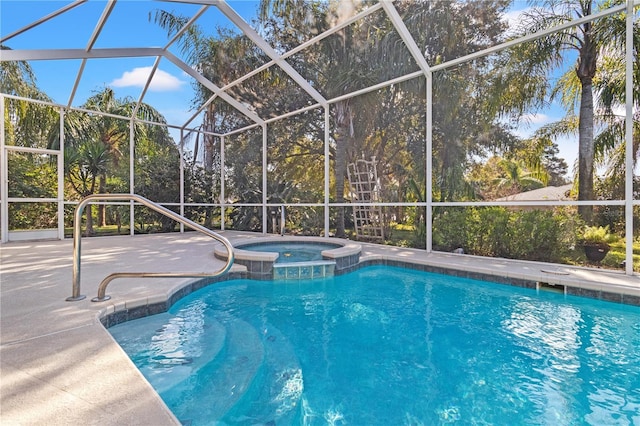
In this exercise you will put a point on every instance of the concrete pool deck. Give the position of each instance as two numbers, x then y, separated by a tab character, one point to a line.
60	366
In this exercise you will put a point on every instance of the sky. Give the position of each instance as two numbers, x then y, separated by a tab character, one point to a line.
567	145
128	26
171	91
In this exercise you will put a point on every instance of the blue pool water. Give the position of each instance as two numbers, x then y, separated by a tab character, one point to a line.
390	346
294	251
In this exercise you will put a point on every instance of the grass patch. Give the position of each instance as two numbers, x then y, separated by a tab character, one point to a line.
617	255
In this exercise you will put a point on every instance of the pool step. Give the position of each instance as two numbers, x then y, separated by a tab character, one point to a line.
197	356
243	373
275	396
171	360
222	382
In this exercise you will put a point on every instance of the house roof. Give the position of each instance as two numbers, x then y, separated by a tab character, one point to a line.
548	193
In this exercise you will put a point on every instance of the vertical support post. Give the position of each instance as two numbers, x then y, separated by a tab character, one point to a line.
629	141
181	149
326	169
131	177
429	164
60	166
222	186
264	179
4	183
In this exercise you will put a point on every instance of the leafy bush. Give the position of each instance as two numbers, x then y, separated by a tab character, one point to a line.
541	235
597	235
450	229
489	234
538	235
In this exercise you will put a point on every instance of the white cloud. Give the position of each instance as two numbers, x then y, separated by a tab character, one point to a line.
536	119
161	82
514	17
528	123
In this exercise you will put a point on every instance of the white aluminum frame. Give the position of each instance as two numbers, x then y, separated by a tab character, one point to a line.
280	60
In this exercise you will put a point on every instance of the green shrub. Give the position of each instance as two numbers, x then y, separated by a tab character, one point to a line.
541	235
450	229
597	235
490	232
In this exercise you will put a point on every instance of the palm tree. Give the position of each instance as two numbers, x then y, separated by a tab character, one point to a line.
341	77
16	77
529	66
610	146
516	178
83	167
112	132
221	59
229	56
26	123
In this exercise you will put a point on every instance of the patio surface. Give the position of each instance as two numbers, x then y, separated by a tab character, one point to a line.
60	366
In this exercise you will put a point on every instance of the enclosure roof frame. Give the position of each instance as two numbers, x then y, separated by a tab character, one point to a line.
89	52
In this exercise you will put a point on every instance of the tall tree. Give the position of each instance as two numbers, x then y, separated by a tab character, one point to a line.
26	123
329	65
83	166
222	58
555	166
463	120
113	132
109	131
610	85
529	67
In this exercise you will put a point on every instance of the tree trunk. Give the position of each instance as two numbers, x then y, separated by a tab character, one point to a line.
344	131
340	169
208	167
89	230
586	70
585	152
102	211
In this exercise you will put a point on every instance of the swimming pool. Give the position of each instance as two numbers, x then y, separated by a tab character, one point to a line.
387	345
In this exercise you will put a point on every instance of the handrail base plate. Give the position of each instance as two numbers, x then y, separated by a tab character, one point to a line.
74	299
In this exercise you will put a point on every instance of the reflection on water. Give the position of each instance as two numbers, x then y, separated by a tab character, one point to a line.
575	352
392	346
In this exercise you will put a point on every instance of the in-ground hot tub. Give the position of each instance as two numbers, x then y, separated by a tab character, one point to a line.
294	257
292	251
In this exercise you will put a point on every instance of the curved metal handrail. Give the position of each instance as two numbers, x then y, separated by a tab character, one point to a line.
102	288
